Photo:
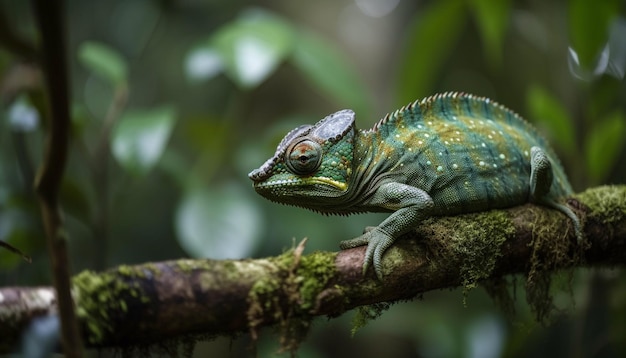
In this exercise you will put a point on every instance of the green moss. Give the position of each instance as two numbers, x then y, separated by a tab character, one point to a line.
289	294
97	295
366	314
550	253
126	270
314	272
474	250
478	247
263	297
231	270
188	266
606	202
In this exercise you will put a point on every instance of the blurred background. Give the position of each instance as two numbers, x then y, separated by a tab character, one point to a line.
174	102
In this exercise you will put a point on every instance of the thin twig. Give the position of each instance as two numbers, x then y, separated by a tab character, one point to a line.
50	20
16	251
100	173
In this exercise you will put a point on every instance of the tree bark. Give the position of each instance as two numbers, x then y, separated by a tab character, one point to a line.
152	302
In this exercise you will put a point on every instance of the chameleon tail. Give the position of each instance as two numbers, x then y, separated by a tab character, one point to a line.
570	214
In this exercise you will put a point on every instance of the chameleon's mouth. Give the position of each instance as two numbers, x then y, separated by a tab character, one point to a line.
300	182
328	181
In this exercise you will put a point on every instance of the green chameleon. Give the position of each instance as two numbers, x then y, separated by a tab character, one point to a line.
447	154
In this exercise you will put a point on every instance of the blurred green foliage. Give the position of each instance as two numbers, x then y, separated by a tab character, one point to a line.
492	20
552	115
103	61
141	137
175	102
431	39
589	27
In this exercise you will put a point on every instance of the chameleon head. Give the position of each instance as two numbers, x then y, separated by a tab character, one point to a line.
312	162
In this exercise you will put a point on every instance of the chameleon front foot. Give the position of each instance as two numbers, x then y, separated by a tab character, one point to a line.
377	241
357	241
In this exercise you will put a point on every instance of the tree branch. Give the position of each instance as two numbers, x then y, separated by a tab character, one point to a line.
143	304
50	21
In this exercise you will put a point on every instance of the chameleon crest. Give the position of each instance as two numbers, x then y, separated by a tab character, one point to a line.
447	154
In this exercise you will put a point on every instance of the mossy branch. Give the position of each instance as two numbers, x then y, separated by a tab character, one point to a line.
142	304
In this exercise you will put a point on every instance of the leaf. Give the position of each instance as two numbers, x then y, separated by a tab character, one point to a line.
210	137
248	49
589	28
547	111
492	19
432	36
208	134
104	61
203	63
140	137
326	69
603	145
218	223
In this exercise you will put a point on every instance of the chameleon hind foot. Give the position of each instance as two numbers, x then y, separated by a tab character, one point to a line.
541	177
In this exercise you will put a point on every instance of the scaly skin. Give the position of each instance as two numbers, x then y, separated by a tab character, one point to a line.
444	155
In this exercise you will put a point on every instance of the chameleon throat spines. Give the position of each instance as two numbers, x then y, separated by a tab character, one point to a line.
446	154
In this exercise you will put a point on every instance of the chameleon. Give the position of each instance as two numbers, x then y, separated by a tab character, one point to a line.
447	154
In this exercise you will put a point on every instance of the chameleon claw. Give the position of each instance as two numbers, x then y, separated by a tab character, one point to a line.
379	242
356	242
373	256
368	258
375	239
378	266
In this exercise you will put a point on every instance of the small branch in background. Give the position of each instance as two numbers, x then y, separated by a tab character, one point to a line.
16	251
100	173
50	21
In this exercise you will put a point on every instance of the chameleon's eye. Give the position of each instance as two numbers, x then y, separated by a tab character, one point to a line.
304	157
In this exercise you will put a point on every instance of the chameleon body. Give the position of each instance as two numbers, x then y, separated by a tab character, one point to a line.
447	154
